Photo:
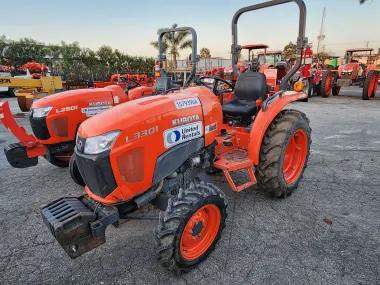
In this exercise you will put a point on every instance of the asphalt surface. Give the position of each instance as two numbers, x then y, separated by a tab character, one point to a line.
327	232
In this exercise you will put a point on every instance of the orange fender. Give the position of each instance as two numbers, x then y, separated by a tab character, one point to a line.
34	148
370	67
139	92
265	117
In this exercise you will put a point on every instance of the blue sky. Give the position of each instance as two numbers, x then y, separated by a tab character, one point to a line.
130	25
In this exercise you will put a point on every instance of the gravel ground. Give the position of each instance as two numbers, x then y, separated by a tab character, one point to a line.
266	241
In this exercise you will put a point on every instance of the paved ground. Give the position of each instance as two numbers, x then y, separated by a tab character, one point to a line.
265	242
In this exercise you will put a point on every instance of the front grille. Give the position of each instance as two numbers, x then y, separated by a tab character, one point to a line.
97	173
39	128
346	76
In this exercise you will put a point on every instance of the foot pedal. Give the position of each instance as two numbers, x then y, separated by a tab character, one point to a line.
17	156
236	160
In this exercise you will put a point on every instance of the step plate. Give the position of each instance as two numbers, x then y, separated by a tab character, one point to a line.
233	160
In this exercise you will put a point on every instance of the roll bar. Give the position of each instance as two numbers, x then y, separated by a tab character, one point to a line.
235	48
194	56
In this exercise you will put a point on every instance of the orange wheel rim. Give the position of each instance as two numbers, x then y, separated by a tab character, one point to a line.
328	85
200	232
371	86
295	156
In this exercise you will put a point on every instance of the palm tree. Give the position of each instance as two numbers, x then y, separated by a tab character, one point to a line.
174	42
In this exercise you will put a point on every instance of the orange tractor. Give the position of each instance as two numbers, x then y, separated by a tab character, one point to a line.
121	79
251	64
359	70
161	150
55	120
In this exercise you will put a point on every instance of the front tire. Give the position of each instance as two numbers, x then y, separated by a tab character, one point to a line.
335	90
60	159
74	171
284	153
190	226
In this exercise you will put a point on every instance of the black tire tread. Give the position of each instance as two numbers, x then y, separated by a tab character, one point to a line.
179	209
325	75
366	83
74	172
273	145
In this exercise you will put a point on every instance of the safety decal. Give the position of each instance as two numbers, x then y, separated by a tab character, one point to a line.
187	103
182	134
210	128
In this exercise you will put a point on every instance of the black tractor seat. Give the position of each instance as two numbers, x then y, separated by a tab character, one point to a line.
163	84
249	87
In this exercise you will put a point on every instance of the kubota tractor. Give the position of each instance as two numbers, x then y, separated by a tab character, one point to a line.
160	150
251	64
55	120
359	70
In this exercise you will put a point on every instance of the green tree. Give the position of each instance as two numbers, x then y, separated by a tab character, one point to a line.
205	53
70	53
88	58
3	44
53	54
320	56
174	42
290	51
24	50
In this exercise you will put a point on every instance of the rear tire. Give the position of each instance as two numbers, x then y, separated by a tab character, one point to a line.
280	170
370	85
325	88
190	226
74	171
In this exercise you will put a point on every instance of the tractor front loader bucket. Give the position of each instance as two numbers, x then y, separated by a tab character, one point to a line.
26	152
78	224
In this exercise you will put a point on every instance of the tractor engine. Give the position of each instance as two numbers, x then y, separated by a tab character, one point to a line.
119	165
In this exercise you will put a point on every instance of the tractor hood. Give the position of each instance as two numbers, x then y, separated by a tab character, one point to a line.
350	66
134	112
73	96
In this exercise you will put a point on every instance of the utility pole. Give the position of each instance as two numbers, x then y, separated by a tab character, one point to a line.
321	35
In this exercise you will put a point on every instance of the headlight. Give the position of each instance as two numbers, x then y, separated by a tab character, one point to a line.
100	143
41	112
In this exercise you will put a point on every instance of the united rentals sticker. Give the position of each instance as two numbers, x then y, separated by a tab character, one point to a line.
92	111
182	134
187	103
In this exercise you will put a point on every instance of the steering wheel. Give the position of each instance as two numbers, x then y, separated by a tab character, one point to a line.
215	88
134	84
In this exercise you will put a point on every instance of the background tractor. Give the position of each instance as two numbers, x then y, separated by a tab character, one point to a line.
160	150
359	70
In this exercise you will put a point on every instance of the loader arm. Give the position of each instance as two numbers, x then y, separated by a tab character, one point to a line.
34	148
